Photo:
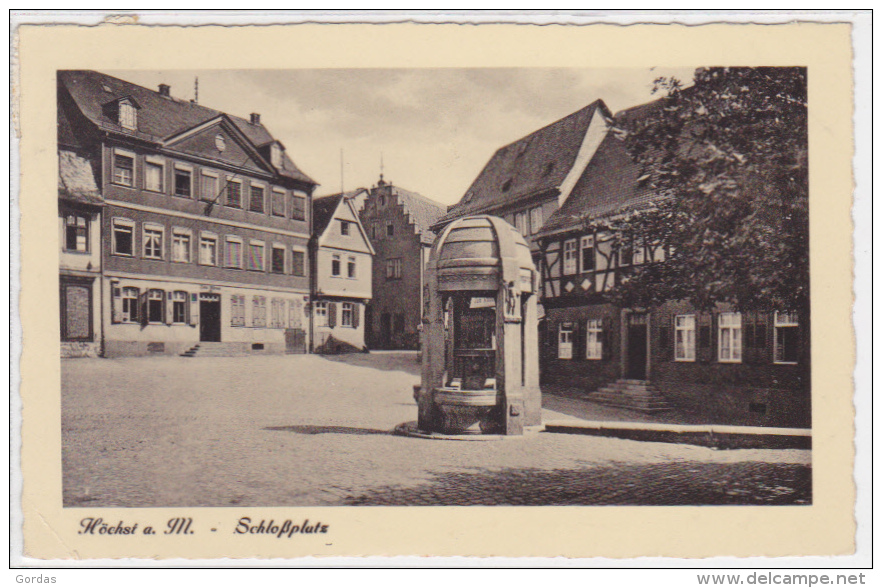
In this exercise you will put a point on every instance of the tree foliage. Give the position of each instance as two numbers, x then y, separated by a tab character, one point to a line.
728	159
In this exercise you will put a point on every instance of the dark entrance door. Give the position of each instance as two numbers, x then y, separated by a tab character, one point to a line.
209	317
385	330
295	341
637	352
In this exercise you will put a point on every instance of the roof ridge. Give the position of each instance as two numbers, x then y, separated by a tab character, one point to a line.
593	105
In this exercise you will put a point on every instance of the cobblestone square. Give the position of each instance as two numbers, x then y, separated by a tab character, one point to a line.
311	430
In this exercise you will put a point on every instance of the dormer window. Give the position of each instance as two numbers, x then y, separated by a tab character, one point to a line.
276	155
128	116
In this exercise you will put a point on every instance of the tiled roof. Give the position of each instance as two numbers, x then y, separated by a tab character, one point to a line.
323	209
531	165
610	183
423	212
76	179
159	116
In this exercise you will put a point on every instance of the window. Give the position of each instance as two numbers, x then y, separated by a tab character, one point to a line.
346	315
76	232
76	311
393	268
344	227
565	341
258	311
237	310
130	298
208	249
594	339
295	310
298	207
277	313
256	255
156	306
123	237
277	264
350	267
179	307
521	223
569	264
278	203
153	245
587	253
684	337
298	262
123	168
183	182
154	173
234	193
321	314
536	219
390	229
786	337
209	187
128	116
181	245
256	204
730	337
233	252
335	265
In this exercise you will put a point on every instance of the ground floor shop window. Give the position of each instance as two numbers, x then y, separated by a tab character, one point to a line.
684	337
786	337
76	311
594	339
130	305
155	306
180	305
565	342
730	337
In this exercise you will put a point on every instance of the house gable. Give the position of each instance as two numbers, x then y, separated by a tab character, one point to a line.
219	140
356	240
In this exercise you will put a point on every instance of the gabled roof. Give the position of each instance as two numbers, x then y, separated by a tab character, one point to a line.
76	179
531	165
324	207
610	183
159	116
423	212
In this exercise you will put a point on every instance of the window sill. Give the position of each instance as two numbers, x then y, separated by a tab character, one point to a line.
144	257
118	185
187	196
593	358
785	362
736	361
681	360
130	255
75	252
181	261
155	191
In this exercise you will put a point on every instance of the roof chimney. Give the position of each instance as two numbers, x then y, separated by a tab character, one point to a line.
255	118
164	90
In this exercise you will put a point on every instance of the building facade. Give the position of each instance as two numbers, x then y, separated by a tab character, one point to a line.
526	181
205	225
398	223
715	365
341	258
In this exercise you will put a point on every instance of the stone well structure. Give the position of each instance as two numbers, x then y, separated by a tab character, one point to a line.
480	354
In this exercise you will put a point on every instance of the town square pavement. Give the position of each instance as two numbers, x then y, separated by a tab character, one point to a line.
310	430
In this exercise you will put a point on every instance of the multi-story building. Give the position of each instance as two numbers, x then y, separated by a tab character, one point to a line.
79	226
205	226
399	226
714	365
526	181
340	256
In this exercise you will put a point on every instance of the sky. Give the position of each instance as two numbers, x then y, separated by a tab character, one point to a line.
434	129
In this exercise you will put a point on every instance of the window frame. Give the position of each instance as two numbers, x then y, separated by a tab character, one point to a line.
321	313
258	311
298	250
521	223
536	220
393	264
566	269
344	228
152	227
262	189
178	167
86	285
204	237
336	265
85	228
272	264
390	228
734	328
298	206
127	115
783	325
154	295
122	222
564	345
594	349
351	267
204	183
228	239
182	232
231	181
183	298
126	317
344	308
685	329
586	242
281	194
253	245
133	157
154	161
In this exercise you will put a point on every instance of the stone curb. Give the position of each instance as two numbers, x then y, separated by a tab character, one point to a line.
716	436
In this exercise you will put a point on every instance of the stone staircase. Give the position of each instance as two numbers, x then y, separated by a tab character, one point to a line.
214	349
636	395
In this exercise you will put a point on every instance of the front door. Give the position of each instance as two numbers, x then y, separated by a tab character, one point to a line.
637	346
209	317
385	330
